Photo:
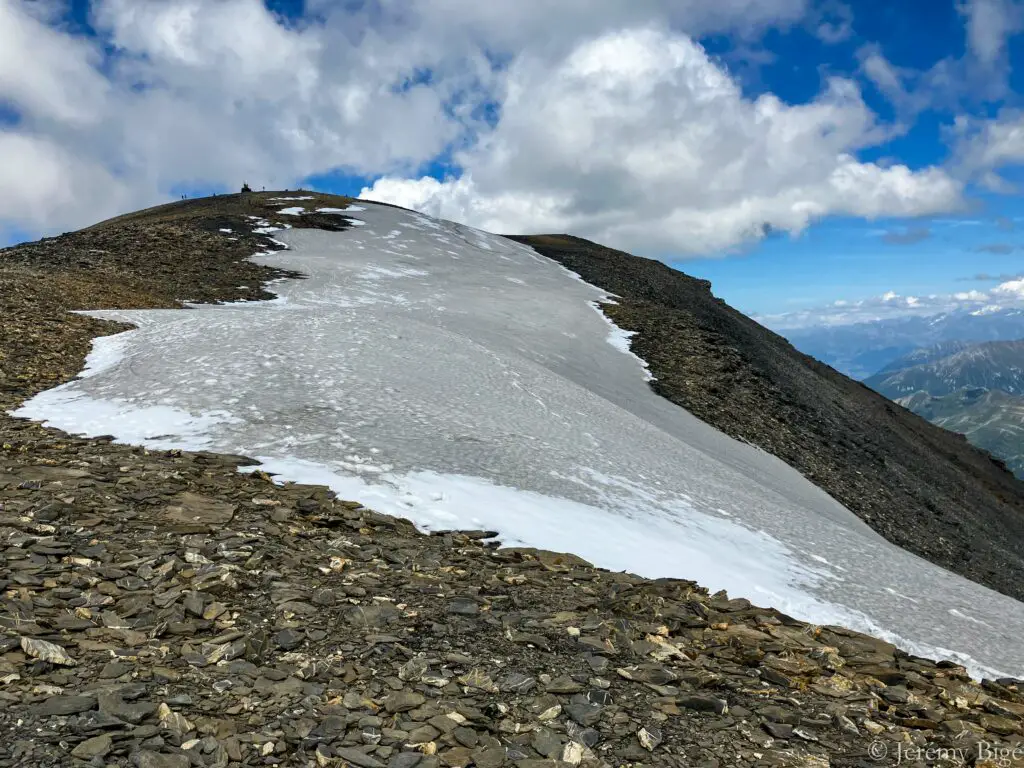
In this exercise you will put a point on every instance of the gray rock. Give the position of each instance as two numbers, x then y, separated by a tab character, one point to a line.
287	639
516	682
702	703
779	715
463	606
358	758
564	684
546	742
426	733
778	730
584	712
403	701
133	712
97	746
66	705
148	759
492	757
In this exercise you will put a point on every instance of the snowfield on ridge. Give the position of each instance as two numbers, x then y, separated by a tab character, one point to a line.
459	379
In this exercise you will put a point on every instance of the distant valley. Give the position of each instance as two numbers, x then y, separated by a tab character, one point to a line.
962	371
861	350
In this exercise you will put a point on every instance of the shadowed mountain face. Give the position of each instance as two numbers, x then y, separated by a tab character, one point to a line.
923	488
976	390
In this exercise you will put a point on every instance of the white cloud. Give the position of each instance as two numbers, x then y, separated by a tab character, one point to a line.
981	146
886	77
639	140
1011	289
979	76
40	182
990	23
833	22
45	72
890	305
215	91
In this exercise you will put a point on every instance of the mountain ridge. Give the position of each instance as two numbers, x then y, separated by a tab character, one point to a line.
191	613
903	476
942	371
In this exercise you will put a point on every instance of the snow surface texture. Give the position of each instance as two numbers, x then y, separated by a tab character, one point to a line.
458	379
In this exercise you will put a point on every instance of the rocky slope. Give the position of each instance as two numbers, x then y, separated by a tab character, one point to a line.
921	487
163	610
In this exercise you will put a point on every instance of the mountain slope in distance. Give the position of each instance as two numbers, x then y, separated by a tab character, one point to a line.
976	390
951	367
923	356
991	419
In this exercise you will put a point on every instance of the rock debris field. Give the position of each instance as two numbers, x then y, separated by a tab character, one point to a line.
161	608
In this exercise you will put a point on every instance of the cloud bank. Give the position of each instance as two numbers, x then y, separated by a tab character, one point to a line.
1009	294
602	118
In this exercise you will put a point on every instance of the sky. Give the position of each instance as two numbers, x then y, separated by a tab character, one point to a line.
819	161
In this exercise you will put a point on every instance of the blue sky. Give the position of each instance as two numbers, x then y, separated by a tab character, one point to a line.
794	152
856	259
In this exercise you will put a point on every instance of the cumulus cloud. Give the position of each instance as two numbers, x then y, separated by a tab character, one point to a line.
990	23
198	92
654	148
640	140
1012	290
208	92
983	145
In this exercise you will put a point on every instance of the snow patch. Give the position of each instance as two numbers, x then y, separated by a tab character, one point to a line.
620	338
155	426
718	553
349	209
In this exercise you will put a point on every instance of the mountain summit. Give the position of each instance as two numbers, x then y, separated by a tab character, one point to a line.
521	390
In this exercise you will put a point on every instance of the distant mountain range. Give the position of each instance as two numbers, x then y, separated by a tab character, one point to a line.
974	389
860	350
953	366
